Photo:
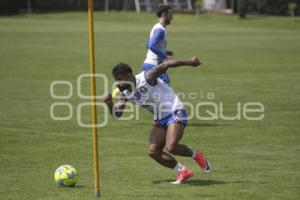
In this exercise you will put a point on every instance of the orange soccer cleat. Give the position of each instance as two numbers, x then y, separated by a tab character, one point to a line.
202	161
183	176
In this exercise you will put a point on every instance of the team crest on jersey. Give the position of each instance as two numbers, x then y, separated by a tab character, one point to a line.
143	89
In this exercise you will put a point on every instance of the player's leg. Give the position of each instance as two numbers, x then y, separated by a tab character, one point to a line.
175	131
157	143
174	134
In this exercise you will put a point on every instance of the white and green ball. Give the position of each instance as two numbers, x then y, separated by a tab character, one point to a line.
66	175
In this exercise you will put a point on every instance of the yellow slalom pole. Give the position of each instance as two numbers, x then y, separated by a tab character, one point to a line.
93	95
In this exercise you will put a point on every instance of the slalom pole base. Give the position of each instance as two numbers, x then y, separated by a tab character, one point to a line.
97	194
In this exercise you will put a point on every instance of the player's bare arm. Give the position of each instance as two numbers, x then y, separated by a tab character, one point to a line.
157	71
115	109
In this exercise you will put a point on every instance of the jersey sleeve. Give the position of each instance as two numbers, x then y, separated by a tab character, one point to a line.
157	36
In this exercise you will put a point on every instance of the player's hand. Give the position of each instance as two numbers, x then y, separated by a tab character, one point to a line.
107	99
195	61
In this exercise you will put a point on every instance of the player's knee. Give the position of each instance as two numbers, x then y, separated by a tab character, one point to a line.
171	148
153	151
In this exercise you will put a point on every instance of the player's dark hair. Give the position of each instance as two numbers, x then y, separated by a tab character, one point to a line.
121	68
162	9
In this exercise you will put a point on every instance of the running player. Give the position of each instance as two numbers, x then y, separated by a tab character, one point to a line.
148	90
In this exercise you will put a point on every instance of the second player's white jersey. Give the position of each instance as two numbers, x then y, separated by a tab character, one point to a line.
159	99
157	45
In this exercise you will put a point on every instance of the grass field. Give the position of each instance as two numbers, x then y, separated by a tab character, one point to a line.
252	60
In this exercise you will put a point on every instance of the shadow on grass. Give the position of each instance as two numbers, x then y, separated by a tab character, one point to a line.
141	124
77	187
80	186
192	182
256	17
207	124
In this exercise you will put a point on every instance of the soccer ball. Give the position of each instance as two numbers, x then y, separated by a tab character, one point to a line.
66	175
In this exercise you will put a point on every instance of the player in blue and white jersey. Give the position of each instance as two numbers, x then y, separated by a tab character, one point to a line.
157	42
149	91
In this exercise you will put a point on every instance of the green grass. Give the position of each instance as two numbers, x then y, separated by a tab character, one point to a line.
244	60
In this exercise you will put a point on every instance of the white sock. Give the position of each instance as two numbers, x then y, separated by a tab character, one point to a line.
194	154
179	167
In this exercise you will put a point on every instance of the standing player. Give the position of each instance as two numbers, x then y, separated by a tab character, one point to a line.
149	91
157	43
